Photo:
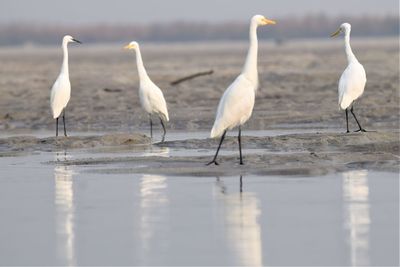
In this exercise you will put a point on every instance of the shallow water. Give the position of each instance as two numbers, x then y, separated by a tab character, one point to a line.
178	135
63	215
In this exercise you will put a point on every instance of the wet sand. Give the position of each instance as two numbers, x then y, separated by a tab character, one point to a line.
291	154
298	91
297	154
24	144
298	85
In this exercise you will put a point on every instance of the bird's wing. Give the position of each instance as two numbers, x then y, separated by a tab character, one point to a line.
351	84
60	95
235	106
157	100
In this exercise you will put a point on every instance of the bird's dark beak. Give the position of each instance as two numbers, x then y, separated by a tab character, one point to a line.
77	41
336	33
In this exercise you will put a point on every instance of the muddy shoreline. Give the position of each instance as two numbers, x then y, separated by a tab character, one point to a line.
305	154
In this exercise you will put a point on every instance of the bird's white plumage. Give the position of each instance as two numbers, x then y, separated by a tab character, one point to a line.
152	99
353	79
61	90
151	96
236	104
351	84
60	95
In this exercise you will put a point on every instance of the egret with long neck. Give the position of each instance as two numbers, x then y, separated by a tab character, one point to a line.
61	90
236	104
250	67
353	79
151	97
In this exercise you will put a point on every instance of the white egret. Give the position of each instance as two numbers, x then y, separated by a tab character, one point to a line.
353	79
236	104
61	90
151	97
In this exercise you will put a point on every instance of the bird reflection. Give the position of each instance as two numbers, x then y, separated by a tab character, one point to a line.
357	217
153	205
64	203
220	184
243	232
241	184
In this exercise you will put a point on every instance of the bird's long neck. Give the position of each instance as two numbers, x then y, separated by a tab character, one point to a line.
64	67
139	62
250	67
349	53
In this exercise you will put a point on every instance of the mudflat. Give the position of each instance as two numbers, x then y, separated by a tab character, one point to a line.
298	92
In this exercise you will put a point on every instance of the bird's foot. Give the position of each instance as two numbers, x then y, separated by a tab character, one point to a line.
347	131
241	163
360	130
211	162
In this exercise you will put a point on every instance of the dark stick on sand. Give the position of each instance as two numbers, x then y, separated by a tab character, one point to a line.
112	90
192	76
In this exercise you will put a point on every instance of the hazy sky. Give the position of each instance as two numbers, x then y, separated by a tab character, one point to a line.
145	11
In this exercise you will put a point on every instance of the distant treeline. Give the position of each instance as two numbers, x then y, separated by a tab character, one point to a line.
310	26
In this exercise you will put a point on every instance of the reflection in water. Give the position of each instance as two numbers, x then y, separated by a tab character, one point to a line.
357	218
64	202
156	151
153	206
241	212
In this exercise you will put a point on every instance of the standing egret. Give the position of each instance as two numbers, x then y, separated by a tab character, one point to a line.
353	79
61	90
236	104
151	97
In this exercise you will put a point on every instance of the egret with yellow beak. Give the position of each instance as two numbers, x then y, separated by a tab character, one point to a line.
151	97
236	104
353	79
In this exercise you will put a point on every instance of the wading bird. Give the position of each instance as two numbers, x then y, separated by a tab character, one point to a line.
353	79
236	104
61	90
151	97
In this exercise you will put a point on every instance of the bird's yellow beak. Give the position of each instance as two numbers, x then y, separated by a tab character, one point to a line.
268	21
335	33
129	46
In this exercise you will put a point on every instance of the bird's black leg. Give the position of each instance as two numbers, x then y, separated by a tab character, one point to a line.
347	121
359	125
65	129
241	184
151	127
216	154
56	127
240	146
165	132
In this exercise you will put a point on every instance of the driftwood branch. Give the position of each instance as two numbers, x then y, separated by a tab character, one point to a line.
112	90
192	76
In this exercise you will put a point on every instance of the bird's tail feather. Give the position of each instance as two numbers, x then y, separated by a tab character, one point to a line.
164	116
56	113
217	130
345	103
